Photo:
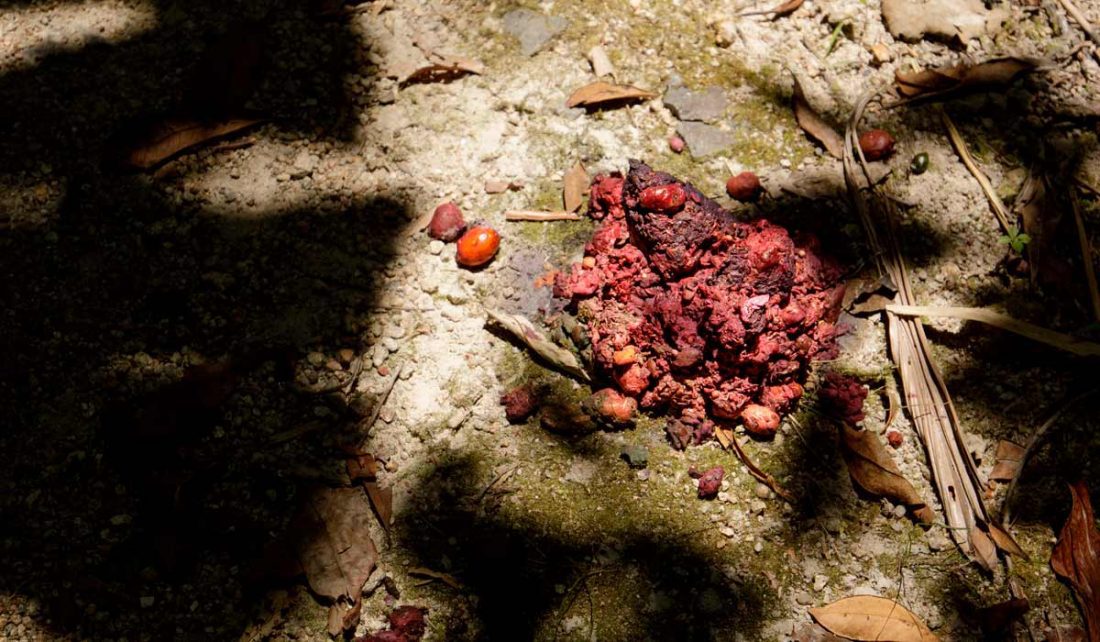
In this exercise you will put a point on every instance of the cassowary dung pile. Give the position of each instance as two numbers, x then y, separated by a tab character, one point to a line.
696	313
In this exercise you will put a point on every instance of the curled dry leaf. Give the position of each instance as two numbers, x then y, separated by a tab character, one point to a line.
574	188
812	123
174	136
779	10
381	499
1076	558
990	73
602	93
447	70
869	617
873	470
526	332
332	541
1010	457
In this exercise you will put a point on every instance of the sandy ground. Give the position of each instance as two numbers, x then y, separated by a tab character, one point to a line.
306	239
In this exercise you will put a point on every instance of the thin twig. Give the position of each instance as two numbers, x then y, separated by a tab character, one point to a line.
499	478
1073	11
759	474
995	201
534	215
1086	255
1033	443
1071	344
368	423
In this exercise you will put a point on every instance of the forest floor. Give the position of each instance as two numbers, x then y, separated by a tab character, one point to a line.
282	276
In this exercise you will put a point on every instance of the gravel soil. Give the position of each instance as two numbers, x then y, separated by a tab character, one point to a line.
290	262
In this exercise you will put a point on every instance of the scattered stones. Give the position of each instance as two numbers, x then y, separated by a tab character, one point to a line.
533	30
685	104
804	598
819	583
762	491
703	139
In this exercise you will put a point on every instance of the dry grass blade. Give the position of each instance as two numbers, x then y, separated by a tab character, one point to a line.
1086	255
995	201
1071	344
925	393
535	215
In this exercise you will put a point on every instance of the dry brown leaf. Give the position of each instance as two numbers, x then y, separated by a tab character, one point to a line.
176	135
522	329
1076	558
448	70
1009	458
725	436
602	93
779	10
574	188
1005	542
382	501
814	125
869	617
332	541
937	81
874	471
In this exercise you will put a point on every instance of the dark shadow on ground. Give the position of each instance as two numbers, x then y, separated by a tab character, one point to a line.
152	349
630	584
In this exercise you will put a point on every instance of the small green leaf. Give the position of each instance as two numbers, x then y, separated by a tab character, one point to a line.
1023	239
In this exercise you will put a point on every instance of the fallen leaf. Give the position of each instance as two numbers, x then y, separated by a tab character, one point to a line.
945	19
362	466
1005	542
602	93
1009	458
446	578
1076	558
382	501
495	186
522	329
873	470
997	618
174	136
990	73
779	10
814	125
332	541
869	617
447	71
574	188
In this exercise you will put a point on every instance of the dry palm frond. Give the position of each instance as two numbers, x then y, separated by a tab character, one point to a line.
926	395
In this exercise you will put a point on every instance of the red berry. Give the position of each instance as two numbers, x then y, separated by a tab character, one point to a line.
477	246
894	438
663	198
876	144
710	482
447	223
676	144
760	421
744	187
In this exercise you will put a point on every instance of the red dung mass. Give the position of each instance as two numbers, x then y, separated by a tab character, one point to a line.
696	313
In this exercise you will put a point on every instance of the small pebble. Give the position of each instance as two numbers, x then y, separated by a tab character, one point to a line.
819	582
435	247
899	511
758	547
676	144
762	491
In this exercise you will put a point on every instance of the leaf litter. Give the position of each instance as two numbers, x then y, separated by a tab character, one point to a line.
870	618
1076	557
605	94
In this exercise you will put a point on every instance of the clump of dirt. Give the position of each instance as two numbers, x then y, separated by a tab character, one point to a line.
696	313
